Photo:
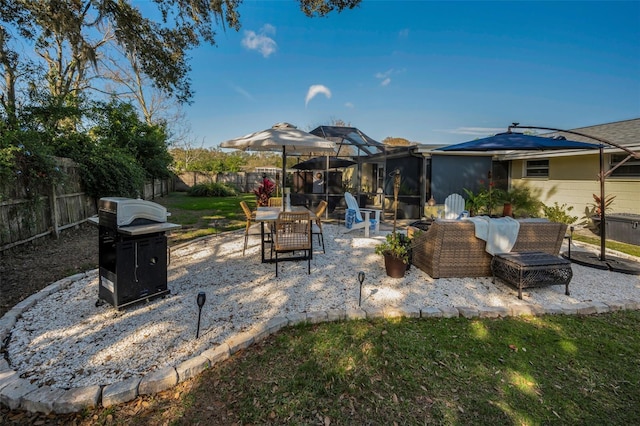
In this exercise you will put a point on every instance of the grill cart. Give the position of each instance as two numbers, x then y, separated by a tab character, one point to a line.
133	250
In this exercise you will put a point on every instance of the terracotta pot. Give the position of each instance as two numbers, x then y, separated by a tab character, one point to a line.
507	210
394	266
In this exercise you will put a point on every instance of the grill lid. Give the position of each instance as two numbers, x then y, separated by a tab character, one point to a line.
128	210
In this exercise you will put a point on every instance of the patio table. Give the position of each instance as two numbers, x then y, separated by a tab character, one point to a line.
269	215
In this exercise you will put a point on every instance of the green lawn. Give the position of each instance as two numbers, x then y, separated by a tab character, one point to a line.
202	216
544	370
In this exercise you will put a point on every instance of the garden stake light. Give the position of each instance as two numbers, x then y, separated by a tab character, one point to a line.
202	297
361	279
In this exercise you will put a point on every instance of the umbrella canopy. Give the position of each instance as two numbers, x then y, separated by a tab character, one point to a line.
517	141
320	163
282	137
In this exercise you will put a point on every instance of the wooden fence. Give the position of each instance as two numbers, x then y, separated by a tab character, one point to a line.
55	208
241	181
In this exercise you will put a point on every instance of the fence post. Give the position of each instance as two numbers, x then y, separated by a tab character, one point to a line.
53	212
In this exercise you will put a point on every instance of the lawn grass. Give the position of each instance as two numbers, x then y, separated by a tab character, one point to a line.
524	370
630	249
202	216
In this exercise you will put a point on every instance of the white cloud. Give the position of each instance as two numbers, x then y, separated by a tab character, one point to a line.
316	89
404	33
349	105
243	92
385	77
261	41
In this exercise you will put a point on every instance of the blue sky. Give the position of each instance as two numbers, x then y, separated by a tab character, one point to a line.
430	72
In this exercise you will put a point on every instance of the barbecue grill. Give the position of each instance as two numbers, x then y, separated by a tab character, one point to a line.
132	250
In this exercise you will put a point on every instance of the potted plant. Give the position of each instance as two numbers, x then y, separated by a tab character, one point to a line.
397	254
264	191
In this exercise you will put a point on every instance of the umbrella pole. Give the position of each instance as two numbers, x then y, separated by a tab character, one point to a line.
603	228
284	171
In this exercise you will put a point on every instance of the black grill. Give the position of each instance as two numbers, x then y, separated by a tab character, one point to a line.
133	257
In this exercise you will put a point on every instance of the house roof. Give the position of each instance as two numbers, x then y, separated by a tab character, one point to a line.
625	133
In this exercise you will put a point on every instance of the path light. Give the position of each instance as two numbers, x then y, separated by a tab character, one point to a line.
202	297
361	279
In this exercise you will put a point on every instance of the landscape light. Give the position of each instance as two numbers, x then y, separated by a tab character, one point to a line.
202	297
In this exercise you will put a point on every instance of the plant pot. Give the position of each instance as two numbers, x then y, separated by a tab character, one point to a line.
394	266
507	210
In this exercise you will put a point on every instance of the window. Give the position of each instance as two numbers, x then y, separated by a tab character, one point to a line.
630	168
537	168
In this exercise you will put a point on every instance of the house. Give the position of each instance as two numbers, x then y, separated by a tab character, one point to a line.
571	177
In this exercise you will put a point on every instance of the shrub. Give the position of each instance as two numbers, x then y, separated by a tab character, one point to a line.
108	171
213	189
558	213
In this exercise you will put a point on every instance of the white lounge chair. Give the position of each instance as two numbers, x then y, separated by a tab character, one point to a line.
453	206
353	218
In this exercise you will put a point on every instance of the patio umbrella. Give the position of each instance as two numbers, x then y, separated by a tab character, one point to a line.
518	142
320	163
282	137
510	141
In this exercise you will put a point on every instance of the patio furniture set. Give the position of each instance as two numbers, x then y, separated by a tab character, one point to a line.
447	248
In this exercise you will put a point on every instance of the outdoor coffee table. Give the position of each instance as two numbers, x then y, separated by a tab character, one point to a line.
531	269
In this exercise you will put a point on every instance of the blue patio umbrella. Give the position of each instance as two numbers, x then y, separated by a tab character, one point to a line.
510	141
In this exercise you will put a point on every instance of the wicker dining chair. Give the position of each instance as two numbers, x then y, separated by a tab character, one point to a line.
275	202
316	227
252	227
292	233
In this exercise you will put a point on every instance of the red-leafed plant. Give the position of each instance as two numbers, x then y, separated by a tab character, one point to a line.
264	191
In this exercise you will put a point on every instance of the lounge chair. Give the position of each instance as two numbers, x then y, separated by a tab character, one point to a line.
354	219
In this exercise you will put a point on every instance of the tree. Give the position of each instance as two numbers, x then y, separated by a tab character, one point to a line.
118	126
391	141
70	35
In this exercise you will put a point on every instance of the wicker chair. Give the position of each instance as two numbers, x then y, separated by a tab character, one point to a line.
251	228
292	233
275	202
451	249
316	228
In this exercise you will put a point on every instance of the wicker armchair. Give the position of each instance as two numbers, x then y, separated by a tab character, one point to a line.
275	202
292	233
251	227
451	249
317	226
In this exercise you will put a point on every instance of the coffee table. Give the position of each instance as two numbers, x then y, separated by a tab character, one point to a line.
531	269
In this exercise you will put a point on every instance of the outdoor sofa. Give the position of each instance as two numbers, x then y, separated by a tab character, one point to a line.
449	248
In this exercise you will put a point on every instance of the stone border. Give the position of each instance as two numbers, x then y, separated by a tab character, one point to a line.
18	393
